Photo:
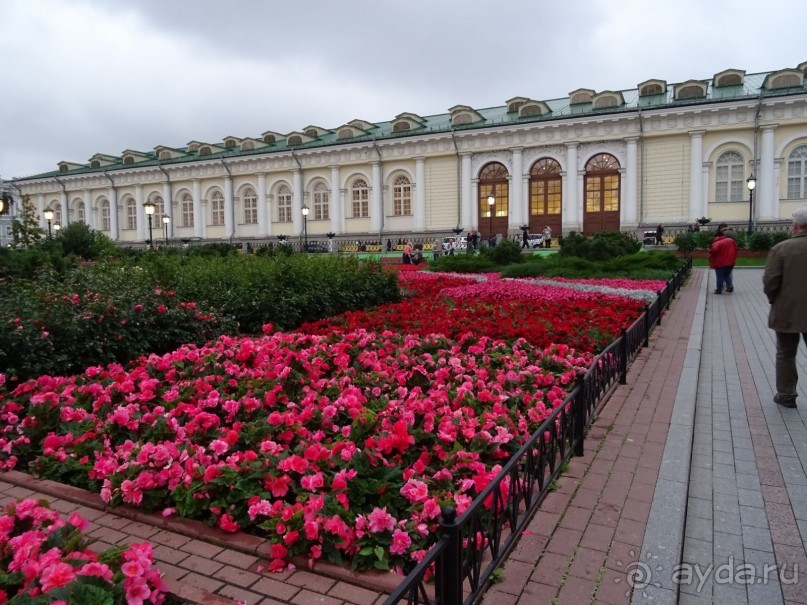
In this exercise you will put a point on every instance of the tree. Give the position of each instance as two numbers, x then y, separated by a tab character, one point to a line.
25	227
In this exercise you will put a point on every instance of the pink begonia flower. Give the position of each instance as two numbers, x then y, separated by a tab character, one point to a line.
77	521
400	542
137	590
56	576
95	569
380	520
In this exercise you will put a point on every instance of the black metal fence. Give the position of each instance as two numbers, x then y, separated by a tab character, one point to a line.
472	545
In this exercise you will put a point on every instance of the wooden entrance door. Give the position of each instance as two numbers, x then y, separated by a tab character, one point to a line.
602	187
493	185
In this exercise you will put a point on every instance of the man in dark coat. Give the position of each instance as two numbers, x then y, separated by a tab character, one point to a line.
786	289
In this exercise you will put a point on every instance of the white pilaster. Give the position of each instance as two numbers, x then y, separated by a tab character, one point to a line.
376	202
335	200
40	209
65	209
140	214
473	210
695	173
264	225
114	229
467	219
297	201
198	209
420	195
229	207
515	217
89	217
571	218
704	201
169	207
630	210
768	194
342	202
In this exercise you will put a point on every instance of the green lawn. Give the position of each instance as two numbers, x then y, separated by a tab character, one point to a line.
741	262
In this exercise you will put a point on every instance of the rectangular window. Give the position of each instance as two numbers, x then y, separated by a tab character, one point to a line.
131	216
250	211
284	208
537	197
321	212
187	213
796	180
105	218
217	212
361	203
554	199
611	193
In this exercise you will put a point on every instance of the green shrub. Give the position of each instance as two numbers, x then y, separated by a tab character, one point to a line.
46	256
760	241
464	263
685	241
504	253
78	239
646	265
600	246
780	236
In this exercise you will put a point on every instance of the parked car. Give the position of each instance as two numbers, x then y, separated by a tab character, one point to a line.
535	240
317	247
460	242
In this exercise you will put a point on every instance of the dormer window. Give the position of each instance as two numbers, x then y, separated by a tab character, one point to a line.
204	150
63	168
400	126
95	164
607	99
247	146
345	133
785	78
269	139
128	159
691	89
312	133
514	104
192	146
581	95
295	140
533	108
652	87
729	77
165	155
802	67
462	115
229	143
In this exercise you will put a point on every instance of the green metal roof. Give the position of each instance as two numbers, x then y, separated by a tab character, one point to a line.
492	116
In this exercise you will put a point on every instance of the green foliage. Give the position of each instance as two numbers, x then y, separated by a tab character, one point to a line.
645	265
25	229
506	252
218	249
685	241
464	263
95	315
79	240
600	246
760	241
45	256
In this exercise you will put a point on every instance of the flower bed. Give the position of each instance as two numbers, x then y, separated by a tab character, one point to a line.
46	560
334	442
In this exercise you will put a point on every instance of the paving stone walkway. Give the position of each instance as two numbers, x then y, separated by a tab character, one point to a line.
689	467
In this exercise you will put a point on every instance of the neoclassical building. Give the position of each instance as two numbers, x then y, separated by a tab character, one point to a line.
594	160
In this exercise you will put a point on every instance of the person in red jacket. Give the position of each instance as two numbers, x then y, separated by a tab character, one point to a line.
722	258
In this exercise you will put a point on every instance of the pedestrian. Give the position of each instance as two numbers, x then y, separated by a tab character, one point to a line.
437	248
659	234
407	254
786	289
722	258
547	237
524	239
389	245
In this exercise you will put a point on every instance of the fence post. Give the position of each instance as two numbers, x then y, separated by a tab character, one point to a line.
449	576
580	414
660	305
646	342
623	356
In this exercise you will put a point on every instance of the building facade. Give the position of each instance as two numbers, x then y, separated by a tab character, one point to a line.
592	161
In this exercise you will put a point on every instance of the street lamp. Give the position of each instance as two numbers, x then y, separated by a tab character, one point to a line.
149	208
491	202
330	235
751	182
48	217
56	228
305	227
166	220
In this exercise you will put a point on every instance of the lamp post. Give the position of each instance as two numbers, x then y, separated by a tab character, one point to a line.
56	228
48	217
166	220
751	182
330	235
491	202
149	208
305	227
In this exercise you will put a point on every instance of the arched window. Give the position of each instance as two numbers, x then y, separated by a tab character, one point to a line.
131	214
57	214
729	177
105	217
493	182
284	204
186	208
797	174
360	195
81	212
402	196
217	208
159	210
545	187
322	200
602	186
250	206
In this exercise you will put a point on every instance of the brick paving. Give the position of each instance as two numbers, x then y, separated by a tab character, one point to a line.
691	461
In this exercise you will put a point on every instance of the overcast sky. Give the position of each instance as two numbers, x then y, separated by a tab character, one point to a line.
99	76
